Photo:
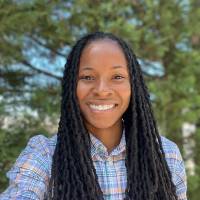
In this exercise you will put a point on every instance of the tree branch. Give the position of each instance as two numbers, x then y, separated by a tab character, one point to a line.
26	63
9	90
46	46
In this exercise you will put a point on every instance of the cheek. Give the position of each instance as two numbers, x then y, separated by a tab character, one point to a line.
124	92
79	92
82	91
126	95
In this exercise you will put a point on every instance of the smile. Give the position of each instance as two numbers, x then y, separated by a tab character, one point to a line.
101	107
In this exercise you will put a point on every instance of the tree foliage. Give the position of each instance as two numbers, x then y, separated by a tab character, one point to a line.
36	36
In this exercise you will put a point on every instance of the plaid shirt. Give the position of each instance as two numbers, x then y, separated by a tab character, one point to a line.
30	174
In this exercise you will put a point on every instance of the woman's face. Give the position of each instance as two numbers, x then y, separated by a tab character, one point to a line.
103	88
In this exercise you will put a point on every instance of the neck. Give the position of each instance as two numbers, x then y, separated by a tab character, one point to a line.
110	137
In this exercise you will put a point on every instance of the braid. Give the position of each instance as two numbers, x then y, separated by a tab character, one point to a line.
73	175
153	171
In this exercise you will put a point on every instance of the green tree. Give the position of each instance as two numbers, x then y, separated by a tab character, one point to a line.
36	36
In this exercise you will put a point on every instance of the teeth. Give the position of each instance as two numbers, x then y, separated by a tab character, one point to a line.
101	107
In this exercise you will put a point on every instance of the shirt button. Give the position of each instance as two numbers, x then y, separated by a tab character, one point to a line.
110	161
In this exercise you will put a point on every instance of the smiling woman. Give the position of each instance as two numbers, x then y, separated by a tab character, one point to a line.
107	145
103	90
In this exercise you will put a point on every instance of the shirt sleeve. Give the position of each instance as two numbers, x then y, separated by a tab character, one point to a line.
176	166
180	177
29	177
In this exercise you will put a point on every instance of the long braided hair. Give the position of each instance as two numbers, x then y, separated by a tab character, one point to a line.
73	175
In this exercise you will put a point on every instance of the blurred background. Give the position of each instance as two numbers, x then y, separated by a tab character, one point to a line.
36	36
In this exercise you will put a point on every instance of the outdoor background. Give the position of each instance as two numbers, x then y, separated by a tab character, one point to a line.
36	36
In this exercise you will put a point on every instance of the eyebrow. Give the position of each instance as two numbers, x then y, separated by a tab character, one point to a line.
114	67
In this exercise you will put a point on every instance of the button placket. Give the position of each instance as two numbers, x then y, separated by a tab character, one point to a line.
110	160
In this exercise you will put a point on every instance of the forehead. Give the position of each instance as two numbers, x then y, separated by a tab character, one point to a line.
105	43
104	51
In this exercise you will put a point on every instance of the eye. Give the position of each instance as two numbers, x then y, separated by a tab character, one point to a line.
118	77
87	78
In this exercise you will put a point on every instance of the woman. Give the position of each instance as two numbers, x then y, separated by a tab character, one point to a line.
107	145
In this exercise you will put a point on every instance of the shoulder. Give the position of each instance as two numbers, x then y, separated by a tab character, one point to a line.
172	155
29	176
176	166
42	144
37	155
171	149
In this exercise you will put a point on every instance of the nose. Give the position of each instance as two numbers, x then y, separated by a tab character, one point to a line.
102	88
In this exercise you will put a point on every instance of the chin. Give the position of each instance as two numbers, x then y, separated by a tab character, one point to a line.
102	125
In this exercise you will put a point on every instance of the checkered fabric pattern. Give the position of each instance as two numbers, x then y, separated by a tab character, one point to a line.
31	172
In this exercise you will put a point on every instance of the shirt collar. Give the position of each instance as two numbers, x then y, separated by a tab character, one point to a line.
98	149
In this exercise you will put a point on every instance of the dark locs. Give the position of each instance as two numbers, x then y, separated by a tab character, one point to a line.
73	175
